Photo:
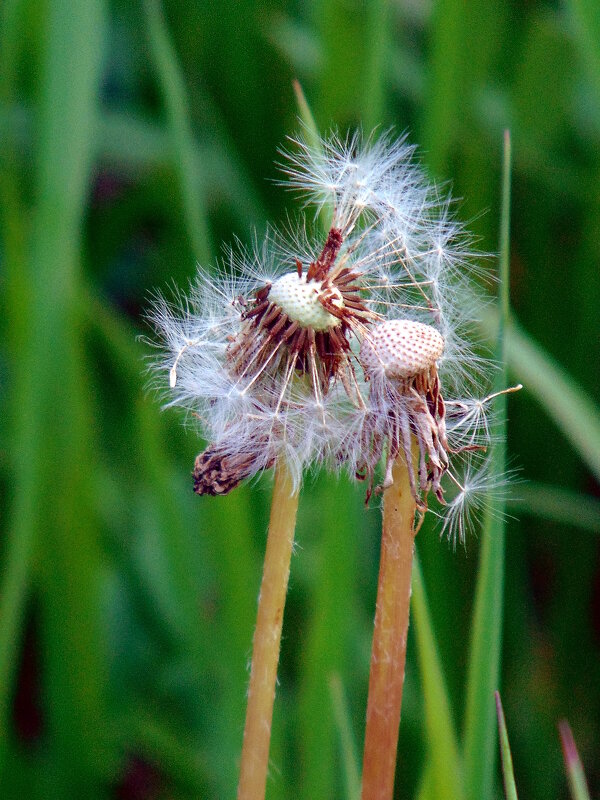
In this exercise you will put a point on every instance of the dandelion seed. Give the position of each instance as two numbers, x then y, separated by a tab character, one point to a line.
467	420
477	489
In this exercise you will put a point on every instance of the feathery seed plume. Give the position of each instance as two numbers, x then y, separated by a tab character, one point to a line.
337	348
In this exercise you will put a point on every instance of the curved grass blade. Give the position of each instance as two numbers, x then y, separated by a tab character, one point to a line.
306	115
566	402
571	408
484	661
174	94
312	134
510	790
556	504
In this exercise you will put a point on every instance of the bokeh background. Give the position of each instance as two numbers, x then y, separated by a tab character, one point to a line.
135	139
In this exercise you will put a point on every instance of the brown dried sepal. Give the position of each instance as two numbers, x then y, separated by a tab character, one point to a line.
217	472
320	268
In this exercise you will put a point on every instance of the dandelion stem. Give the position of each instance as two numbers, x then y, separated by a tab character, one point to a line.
388	654
267	636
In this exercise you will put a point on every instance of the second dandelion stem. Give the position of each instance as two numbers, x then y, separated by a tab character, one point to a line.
267	637
388	654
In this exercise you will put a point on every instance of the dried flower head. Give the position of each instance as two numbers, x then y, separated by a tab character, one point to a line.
334	348
400	358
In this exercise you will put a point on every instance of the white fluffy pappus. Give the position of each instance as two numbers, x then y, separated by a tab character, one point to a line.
478	491
269	352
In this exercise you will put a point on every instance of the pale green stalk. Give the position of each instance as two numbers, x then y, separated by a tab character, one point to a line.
344	726
443	756
510	789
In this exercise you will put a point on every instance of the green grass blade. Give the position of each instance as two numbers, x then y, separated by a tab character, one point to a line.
444	86
556	504
443	756
486	637
348	745
174	94
586	15
425	788
352	89
312	134
577	782
510	789
571	408
566	402
306	115
332	606
53	460
18	545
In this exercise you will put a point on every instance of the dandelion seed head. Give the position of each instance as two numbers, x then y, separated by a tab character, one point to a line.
341	348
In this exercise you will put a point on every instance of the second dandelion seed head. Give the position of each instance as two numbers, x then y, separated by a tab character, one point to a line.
400	358
401	349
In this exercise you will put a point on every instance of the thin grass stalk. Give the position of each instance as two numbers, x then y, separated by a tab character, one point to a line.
443	757
388	654
18	542
575	774
510	789
267	637
178	114
483	674
343	723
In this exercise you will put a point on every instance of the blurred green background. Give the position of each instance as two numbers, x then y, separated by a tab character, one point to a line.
134	140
